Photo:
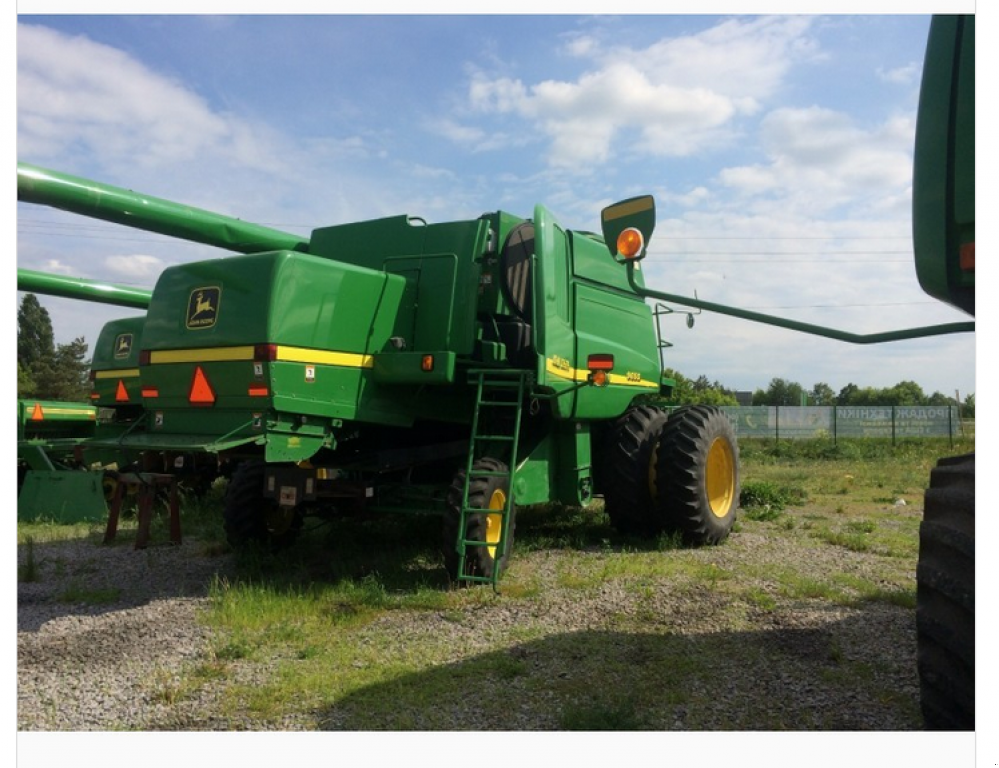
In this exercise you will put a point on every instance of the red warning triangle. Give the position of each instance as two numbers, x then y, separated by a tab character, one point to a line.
36	414
201	390
122	394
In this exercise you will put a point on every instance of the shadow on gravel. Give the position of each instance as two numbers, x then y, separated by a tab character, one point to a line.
823	677
84	577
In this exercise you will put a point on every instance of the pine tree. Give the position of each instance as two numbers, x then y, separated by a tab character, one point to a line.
44	370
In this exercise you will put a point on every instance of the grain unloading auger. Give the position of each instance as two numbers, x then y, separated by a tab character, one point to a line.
463	368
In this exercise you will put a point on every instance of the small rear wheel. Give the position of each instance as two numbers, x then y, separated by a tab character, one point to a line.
249	517
484	492
697	475
945	597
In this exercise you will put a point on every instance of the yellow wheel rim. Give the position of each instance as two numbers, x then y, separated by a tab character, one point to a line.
719	478
494	523
653	475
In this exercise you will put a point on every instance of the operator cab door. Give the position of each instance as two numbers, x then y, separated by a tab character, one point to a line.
557	367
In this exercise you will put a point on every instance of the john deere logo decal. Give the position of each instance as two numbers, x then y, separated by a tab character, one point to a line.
203	307
122	346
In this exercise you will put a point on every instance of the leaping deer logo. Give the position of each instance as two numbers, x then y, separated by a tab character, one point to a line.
123	345
203	307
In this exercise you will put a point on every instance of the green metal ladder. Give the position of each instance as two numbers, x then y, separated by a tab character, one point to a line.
496	424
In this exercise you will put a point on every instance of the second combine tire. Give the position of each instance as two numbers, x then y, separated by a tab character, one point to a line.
487	491
945	597
250	518
628	468
697	474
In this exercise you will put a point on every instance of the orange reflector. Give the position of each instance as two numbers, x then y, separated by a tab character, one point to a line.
36	414
630	243
598	378
427	363
150	392
201	390
95	395
257	390
968	257
122	394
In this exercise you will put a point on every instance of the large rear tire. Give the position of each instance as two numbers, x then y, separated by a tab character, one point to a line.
628	471
484	492
697	475
945	597
251	518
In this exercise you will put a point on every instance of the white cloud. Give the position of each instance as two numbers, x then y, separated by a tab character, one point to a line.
57	267
906	75
820	158
679	95
135	265
71	89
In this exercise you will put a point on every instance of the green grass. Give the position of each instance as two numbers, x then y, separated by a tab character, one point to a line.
320	621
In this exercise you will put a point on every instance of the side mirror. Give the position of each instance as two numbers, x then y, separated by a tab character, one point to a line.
627	227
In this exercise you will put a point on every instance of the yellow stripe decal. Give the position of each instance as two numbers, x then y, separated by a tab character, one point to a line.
284	354
322	357
575	374
123	373
208	355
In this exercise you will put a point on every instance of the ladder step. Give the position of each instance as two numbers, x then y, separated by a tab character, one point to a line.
477	543
501	385
501	403
502	438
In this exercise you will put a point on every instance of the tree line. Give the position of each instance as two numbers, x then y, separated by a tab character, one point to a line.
701	391
45	370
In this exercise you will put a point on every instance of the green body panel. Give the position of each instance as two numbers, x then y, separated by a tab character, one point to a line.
555	338
621	325
62	496
557	467
54	419
439	263
943	193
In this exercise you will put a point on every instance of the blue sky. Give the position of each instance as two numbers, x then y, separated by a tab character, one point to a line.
779	150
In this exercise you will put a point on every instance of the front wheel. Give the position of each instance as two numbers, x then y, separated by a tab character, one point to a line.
697	474
628	470
486	491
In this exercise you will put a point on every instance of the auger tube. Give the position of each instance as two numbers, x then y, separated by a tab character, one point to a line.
79	288
794	325
133	209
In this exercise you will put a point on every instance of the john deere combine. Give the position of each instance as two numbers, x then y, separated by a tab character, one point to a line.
463	368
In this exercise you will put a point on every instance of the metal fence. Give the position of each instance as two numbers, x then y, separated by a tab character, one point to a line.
835	421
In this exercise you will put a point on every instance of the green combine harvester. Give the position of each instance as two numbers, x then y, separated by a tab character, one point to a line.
463	368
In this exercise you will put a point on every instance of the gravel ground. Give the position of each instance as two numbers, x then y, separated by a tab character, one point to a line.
105	632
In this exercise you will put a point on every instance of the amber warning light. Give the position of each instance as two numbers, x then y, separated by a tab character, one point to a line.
630	243
599	365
